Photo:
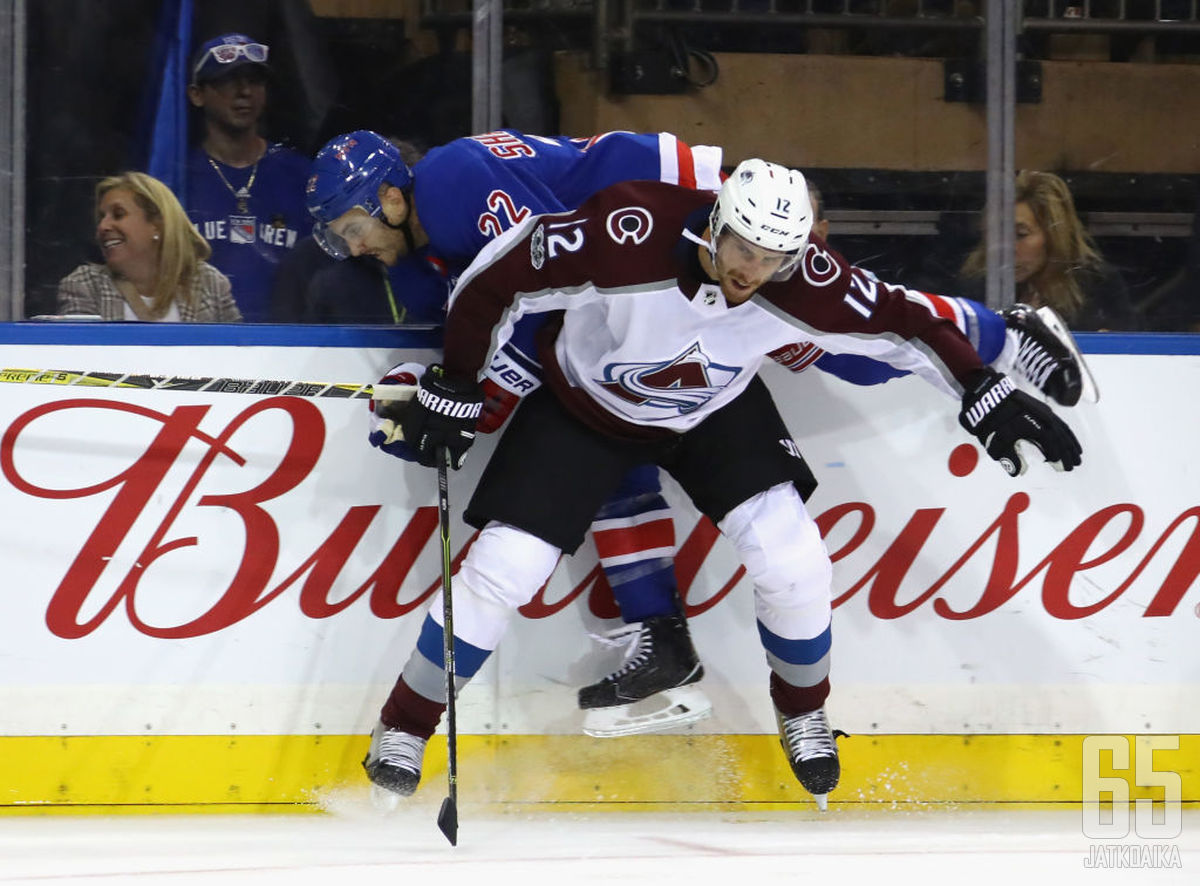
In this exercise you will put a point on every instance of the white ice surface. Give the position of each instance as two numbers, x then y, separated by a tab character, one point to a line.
356	846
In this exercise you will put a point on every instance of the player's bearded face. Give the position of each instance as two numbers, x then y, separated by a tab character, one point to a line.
366	235
742	268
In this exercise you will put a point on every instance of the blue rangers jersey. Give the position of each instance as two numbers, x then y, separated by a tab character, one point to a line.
250	233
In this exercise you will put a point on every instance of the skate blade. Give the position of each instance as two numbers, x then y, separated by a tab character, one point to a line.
822	801
1090	390
383	800
663	710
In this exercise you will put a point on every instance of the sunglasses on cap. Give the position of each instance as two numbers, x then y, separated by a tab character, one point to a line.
224	53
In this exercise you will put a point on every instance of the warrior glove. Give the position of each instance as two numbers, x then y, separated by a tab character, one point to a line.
444	413
1001	416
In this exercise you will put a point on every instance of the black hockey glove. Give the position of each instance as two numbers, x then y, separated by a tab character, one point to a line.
1002	416
443	414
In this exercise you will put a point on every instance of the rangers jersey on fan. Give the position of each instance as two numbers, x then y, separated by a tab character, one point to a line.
473	189
249	232
648	345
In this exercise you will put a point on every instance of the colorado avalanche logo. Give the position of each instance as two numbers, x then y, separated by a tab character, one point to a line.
682	384
630	224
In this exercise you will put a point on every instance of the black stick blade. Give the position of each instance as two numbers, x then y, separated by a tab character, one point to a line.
447	820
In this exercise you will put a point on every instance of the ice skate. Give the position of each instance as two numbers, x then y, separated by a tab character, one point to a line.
811	749
656	687
393	764
1047	356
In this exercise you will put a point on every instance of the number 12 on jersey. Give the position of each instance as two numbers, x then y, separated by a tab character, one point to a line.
862	294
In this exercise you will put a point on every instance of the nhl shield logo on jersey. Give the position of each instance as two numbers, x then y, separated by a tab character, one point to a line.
680	384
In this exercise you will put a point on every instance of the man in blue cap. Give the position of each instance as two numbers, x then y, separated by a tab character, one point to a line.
245	194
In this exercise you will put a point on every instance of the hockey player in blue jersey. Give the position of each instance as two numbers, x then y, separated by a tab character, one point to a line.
245	195
446	208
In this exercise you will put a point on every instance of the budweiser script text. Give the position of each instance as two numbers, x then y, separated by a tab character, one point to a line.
134	488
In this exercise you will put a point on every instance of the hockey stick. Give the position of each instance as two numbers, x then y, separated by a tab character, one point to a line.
448	815
219	385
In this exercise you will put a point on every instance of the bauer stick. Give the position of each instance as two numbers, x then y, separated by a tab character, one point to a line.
206	384
448	815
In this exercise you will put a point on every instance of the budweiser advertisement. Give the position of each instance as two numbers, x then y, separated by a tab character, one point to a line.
190	562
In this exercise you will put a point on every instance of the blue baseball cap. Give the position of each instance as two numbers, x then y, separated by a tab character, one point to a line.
222	55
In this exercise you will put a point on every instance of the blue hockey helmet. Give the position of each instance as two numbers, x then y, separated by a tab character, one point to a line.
346	173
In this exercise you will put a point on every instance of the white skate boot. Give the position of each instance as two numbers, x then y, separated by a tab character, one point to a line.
811	749
657	686
393	764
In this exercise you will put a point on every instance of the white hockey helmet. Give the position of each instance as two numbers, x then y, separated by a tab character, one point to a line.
767	205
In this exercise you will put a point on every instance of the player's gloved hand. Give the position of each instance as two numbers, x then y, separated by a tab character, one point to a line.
444	413
391	397
1001	416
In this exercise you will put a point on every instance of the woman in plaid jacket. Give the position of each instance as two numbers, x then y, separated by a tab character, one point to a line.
155	266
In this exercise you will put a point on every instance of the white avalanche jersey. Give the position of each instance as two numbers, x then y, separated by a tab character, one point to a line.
647	344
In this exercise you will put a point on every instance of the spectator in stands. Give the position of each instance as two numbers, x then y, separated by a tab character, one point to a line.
245	194
1056	261
155	266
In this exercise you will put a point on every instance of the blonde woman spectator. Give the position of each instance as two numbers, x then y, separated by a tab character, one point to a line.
1056	263
154	261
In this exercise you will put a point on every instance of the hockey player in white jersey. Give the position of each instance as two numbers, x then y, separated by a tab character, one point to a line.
666	305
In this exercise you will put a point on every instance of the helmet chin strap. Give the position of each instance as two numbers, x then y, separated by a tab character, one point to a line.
708	243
